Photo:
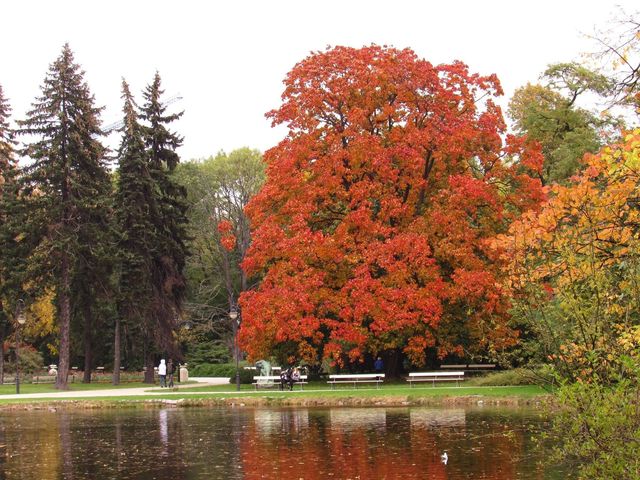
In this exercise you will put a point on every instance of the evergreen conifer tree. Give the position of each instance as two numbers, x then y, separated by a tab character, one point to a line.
171	251
91	283
8	284
65	184
7	141
136	211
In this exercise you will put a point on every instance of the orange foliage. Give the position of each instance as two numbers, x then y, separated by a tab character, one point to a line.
572	266
227	237
373	229
584	227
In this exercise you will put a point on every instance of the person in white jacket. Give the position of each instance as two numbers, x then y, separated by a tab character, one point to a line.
162	373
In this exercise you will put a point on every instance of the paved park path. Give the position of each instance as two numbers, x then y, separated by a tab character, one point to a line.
123	392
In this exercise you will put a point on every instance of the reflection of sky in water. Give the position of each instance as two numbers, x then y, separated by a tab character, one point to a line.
355	418
276	421
164	430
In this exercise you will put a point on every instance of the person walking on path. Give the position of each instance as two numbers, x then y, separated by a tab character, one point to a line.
162	373
170	371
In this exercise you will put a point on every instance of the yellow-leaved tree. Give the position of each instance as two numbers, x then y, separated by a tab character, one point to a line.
575	265
41	321
575	282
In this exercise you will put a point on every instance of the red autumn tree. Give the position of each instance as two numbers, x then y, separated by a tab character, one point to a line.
372	231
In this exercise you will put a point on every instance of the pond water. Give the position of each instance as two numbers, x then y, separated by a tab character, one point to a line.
283	443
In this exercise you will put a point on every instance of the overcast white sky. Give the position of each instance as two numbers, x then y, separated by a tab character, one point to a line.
228	58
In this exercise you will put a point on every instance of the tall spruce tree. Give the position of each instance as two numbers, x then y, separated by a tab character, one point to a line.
151	217
171	224
136	209
65	185
7	140
91	281
7	239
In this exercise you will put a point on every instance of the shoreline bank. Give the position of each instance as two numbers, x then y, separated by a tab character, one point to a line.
275	401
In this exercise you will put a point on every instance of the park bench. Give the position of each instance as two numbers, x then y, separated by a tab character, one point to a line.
481	366
271	381
471	367
433	377
35	378
356	378
47	378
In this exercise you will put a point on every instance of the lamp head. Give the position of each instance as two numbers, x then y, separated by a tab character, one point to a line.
21	318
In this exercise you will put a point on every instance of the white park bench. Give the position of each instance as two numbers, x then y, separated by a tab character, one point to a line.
434	377
357	378
471	366
270	381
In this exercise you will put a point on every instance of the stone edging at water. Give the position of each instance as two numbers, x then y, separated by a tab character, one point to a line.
284	401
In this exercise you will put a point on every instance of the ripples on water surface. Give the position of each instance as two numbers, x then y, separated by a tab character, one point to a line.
340	443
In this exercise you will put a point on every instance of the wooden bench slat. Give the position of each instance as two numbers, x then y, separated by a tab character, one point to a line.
356	378
437	379
356	381
434	377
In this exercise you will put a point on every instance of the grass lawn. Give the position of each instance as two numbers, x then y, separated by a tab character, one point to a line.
316	391
10	389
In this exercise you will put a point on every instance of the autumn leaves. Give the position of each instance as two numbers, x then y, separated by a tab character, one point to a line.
374	230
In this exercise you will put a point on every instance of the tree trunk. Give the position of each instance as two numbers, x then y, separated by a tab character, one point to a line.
149	363
65	323
88	341
3	332
392	363
228	281
116	353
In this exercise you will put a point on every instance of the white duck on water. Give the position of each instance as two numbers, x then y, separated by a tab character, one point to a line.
444	457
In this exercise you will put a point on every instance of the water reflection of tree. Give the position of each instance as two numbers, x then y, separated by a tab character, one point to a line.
359	443
25	437
140	445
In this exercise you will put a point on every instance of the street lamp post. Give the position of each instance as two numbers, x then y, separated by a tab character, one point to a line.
235	320
20	319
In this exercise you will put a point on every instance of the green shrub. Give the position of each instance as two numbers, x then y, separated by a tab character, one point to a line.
516	376
125	377
222	370
30	360
246	377
209	352
597	428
